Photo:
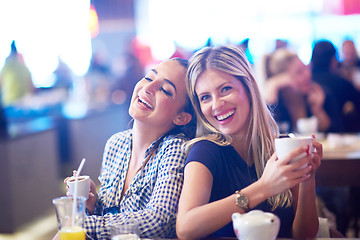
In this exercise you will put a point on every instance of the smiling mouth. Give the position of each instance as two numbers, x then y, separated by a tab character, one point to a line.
225	116
143	102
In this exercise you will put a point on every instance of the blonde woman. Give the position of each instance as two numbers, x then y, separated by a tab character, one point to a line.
231	166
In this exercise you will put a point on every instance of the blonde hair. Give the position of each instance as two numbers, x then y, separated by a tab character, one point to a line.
262	128
278	62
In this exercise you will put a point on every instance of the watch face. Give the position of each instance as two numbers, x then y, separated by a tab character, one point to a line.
243	201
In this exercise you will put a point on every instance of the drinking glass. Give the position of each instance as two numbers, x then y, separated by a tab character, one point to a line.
70	217
127	231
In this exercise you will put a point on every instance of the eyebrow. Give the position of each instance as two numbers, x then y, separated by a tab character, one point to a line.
217	88
165	79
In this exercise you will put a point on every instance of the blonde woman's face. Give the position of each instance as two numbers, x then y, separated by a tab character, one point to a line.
300	73
223	101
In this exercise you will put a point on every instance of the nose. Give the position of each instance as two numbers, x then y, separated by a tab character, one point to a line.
218	103
150	87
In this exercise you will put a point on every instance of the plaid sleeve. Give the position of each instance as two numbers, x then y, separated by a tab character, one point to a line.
158	217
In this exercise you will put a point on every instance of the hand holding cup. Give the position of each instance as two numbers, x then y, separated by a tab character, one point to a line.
283	146
91	194
83	186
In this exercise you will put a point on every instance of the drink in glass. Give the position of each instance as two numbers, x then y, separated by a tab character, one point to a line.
70	216
72	233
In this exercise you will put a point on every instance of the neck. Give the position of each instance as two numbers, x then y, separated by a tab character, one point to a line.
143	136
241	145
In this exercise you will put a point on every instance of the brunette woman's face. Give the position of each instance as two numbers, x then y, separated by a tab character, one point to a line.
301	74
158	98
223	101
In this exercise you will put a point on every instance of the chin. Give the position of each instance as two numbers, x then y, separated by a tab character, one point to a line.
226	132
131	112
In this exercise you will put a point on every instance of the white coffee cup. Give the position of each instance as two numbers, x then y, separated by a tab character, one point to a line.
83	186
284	146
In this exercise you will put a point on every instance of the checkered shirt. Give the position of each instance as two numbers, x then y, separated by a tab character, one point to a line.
152	196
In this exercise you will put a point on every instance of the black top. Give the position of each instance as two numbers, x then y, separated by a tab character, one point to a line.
231	173
343	92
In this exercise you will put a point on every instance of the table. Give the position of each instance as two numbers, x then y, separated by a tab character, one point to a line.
340	165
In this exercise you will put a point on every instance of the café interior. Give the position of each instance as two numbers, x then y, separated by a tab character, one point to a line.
83	58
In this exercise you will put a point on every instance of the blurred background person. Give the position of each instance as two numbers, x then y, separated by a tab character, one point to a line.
292	95
15	78
133	71
127	69
325	71
350	64
63	76
350	69
99	77
281	43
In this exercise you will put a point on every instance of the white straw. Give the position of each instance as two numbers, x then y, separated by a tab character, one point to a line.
76	190
80	167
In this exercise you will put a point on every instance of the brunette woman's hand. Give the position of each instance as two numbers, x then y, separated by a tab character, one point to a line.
91	201
280	175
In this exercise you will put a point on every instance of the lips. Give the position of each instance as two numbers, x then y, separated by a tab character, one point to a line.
143	102
222	117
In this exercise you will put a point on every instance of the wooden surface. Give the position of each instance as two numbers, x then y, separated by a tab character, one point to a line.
340	165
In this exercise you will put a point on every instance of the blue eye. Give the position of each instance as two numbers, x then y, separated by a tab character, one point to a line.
204	98
148	79
227	88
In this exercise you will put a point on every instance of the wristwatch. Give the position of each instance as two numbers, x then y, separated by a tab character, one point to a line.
241	200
